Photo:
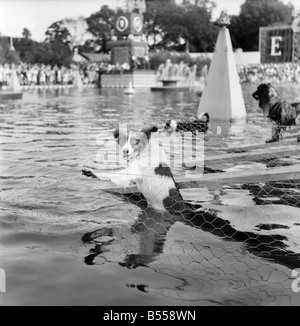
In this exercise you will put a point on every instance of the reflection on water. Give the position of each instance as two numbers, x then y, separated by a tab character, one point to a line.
65	241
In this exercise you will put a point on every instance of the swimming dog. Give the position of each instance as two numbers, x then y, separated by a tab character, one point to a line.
283	113
148	169
199	125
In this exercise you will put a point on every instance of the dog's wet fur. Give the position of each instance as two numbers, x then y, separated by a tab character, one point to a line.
148	169
283	113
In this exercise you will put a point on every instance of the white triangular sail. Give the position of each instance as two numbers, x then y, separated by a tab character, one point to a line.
13	83
78	84
222	97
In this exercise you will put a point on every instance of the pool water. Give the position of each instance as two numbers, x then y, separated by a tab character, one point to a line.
65	241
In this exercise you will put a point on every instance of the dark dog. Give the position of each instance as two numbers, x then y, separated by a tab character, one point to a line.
199	125
283	113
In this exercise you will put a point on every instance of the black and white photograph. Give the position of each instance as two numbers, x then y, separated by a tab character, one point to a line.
149	155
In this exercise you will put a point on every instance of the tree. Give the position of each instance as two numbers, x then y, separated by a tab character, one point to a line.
195	25
26	33
100	25
52	53
57	46
153	21
180	27
78	31
59	33
255	13
24	47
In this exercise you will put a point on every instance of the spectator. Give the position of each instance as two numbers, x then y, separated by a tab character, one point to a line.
39	74
274	73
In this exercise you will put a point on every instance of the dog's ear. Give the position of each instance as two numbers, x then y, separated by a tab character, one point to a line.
168	123
149	130
116	133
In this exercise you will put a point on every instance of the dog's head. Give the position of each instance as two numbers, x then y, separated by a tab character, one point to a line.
267	96
171	126
135	143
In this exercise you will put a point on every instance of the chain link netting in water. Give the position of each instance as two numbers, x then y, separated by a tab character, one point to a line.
235	242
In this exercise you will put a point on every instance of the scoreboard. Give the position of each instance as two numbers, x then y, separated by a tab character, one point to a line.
129	23
279	44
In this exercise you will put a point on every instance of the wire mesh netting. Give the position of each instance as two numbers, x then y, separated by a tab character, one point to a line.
69	238
235	242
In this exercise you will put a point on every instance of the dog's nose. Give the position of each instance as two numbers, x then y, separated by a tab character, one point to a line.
125	151
255	95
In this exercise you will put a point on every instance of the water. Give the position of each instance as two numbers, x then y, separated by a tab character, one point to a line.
65	241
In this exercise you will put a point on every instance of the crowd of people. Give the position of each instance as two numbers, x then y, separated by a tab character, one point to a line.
137	63
273	73
39	74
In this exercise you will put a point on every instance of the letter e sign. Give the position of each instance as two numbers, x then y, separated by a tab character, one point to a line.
275	46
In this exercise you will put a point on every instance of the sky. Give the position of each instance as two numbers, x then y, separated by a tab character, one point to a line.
38	15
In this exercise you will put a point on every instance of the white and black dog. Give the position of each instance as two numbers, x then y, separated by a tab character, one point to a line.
200	125
148	169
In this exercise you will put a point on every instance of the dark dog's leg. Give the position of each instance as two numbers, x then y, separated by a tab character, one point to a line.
276	135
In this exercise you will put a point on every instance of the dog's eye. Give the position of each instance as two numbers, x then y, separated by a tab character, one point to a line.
136	142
